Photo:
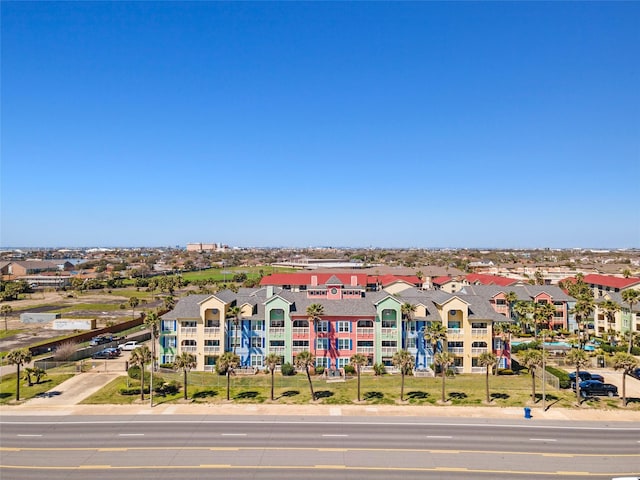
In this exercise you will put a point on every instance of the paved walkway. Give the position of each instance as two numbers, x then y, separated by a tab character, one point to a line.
65	398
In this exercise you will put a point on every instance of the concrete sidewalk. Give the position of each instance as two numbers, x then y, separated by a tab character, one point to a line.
65	400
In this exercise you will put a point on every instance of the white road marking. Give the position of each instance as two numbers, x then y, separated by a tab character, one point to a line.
25	435
439	436
233	434
334	435
543	440
131	434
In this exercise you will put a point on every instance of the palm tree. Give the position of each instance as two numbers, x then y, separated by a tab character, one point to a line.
140	357
235	314
169	302
315	311
630	297
532	360
306	360
18	358
403	360
625	362
185	362
582	310
542	315
444	360
511	298
524	311
610	309
579	359
226	363
358	360
272	360
152	321
133	303
435	334
6	310
407	309
488	360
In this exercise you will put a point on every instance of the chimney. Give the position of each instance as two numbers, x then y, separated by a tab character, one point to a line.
314	280
354	280
269	291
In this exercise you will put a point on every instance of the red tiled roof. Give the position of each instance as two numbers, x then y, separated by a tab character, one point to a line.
485	279
304	278
609	281
441	280
389	279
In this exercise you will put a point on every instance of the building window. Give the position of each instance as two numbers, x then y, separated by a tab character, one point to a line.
342	362
212	343
300	324
276	343
256	342
365	343
276	323
276	314
389	343
168	326
411	342
300	344
323	362
344	344
322	343
388	323
343	327
169	358
256	360
478	325
323	326
257	325
188	343
389	315
365	324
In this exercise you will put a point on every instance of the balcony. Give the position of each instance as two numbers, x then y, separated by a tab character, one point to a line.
301	331
364	332
209	368
276	331
365	350
298	349
189	348
277	350
189	331
455	350
211	331
479	332
211	349
389	332
454	332
479	350
388	351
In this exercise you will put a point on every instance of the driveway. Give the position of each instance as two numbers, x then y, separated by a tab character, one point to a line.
74	390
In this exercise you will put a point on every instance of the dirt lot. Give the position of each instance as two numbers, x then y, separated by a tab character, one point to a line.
42	302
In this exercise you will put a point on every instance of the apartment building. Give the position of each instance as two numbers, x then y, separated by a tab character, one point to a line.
353	320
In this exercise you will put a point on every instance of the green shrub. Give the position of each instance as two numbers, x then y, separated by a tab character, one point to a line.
379	369
561	374
133	390
505	371
134	372
319	369
168	366
349	369
287	369
170	388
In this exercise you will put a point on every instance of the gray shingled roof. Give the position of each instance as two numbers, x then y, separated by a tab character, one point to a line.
523	292
187	307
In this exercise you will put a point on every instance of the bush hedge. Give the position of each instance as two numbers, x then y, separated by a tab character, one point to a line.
561	374
287	369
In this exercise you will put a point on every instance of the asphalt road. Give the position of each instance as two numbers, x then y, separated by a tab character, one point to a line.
135	447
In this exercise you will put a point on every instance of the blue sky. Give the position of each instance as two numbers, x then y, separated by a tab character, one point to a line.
385	124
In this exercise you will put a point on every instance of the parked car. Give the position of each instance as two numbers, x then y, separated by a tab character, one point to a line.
101	339
635	373
103	354
115	351
590	388
130	345
584	376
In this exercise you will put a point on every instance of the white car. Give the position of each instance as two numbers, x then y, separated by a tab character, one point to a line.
132	345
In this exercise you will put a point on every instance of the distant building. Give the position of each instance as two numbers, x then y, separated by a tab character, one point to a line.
206	247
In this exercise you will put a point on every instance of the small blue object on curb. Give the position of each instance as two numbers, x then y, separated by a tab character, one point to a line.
527	412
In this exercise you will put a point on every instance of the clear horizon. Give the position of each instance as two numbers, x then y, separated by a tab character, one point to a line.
512	124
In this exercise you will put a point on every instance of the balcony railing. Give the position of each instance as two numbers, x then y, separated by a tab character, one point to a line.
479	332
189	348
276	331
364	332
478	350
455	350
211	349
389	350
277	350
479	369
189	331
209	368
455	332
298	349
211	331
389	332
301	331
365	350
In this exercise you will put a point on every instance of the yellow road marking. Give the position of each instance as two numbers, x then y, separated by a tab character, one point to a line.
320	467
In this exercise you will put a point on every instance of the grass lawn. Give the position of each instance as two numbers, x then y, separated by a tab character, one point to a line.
217	275
469	390
9	333
8	386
